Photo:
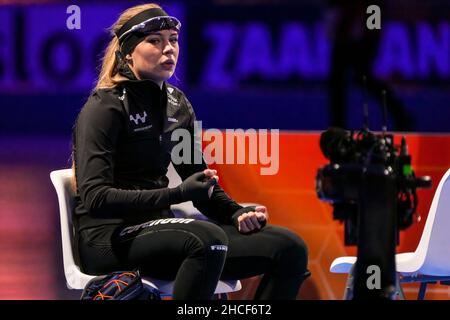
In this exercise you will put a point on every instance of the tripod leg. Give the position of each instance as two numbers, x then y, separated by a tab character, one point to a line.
348	292
422	290
399	289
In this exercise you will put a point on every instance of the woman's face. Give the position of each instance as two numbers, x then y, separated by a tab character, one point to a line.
155	58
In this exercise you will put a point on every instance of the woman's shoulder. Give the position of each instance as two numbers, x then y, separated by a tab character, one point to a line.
105	98
112	93
101	108
102	103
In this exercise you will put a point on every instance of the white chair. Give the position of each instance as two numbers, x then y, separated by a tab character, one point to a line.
430	262
76	279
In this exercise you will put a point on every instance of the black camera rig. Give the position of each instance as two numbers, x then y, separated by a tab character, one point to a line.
352	155
372	187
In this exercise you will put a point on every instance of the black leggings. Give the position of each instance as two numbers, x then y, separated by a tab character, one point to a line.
196	254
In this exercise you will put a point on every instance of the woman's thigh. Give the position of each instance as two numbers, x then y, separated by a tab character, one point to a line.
256	253
157	247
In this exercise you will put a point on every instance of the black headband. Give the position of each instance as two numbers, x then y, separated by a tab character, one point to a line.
135	30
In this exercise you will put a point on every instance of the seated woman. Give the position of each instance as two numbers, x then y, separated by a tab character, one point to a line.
122	149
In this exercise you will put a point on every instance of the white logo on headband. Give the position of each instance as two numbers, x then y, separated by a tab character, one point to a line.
155	23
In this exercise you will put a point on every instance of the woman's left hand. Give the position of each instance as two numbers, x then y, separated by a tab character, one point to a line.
263	210
253	220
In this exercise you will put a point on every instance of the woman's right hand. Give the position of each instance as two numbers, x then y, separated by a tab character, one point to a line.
211	174
198	186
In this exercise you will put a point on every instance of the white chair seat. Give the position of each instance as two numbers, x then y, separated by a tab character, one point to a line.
404	262
166	287
342	264
77	280
431	260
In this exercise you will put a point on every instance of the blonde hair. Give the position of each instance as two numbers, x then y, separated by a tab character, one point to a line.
107	77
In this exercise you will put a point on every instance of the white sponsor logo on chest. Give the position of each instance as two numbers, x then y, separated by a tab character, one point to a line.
138	118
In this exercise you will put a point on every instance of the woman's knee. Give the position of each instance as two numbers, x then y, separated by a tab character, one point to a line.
298	252
206	237
293	250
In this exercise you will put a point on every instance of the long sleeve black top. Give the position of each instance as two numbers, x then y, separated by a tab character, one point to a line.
122	149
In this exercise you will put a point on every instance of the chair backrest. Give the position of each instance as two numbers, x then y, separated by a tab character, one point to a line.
61	180
434	245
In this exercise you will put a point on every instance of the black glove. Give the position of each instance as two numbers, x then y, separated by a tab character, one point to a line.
195	187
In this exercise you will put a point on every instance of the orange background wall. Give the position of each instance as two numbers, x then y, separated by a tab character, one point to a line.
292	202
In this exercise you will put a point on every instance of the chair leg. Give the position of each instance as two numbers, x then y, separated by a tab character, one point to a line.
348	292
220	296
399	289
422	290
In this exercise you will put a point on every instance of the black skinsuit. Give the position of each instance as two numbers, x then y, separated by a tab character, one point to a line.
122	148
